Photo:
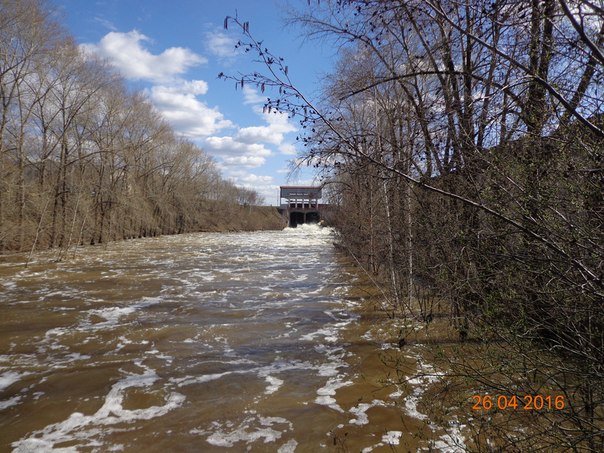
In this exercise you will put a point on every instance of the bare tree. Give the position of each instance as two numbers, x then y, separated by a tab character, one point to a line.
489	138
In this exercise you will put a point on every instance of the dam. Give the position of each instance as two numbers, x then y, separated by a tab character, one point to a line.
300	204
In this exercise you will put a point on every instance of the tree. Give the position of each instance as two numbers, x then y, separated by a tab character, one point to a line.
83	160
490	139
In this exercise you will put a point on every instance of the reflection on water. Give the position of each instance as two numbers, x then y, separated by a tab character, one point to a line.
183	343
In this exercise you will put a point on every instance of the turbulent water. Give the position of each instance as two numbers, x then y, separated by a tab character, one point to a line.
198	342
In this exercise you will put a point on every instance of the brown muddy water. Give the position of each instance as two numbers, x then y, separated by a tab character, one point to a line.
202	342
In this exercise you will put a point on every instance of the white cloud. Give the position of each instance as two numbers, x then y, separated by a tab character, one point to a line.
278	126
233	147
221	44
248	146
251	179
236	153
257	134
175	98
251	96
306	182
105	23
262	184
184	87
188	115
245	161
288	149
181	103
127	53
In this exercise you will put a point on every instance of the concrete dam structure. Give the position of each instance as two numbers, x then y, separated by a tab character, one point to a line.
300	204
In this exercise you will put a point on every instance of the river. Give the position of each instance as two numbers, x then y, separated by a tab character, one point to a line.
199	342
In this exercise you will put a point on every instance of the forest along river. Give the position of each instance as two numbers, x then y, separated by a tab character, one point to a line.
197	342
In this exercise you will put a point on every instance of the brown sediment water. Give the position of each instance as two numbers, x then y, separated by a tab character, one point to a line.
201	342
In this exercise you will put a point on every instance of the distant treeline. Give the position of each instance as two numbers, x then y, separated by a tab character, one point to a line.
82	159
463	143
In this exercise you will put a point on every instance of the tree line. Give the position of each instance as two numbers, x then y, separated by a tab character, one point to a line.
462	142
83	160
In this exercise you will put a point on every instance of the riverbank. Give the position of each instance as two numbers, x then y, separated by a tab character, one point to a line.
214	219
439	391
390	397
244	218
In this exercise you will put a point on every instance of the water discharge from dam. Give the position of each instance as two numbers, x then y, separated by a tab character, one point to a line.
199	342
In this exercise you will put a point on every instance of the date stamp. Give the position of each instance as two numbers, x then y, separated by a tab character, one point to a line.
513	402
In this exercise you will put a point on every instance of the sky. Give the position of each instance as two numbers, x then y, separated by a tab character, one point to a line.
173	50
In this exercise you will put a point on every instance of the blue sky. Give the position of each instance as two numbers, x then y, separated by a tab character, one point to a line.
174	50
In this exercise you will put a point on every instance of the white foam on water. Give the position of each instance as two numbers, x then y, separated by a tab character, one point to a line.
426	375
20	360
453	440
85	428
269	421
411	405
329	334
74	357
229	439
368	336
206	276
251	429
65	294
360	412
9	284
288	447
327	392
160	355
343	318
390	439
15	400
227	350
263	371
335	360
56	332
113	315
274	384
396	394
8	378
332	368
124	341
387	346
191	380
56	355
